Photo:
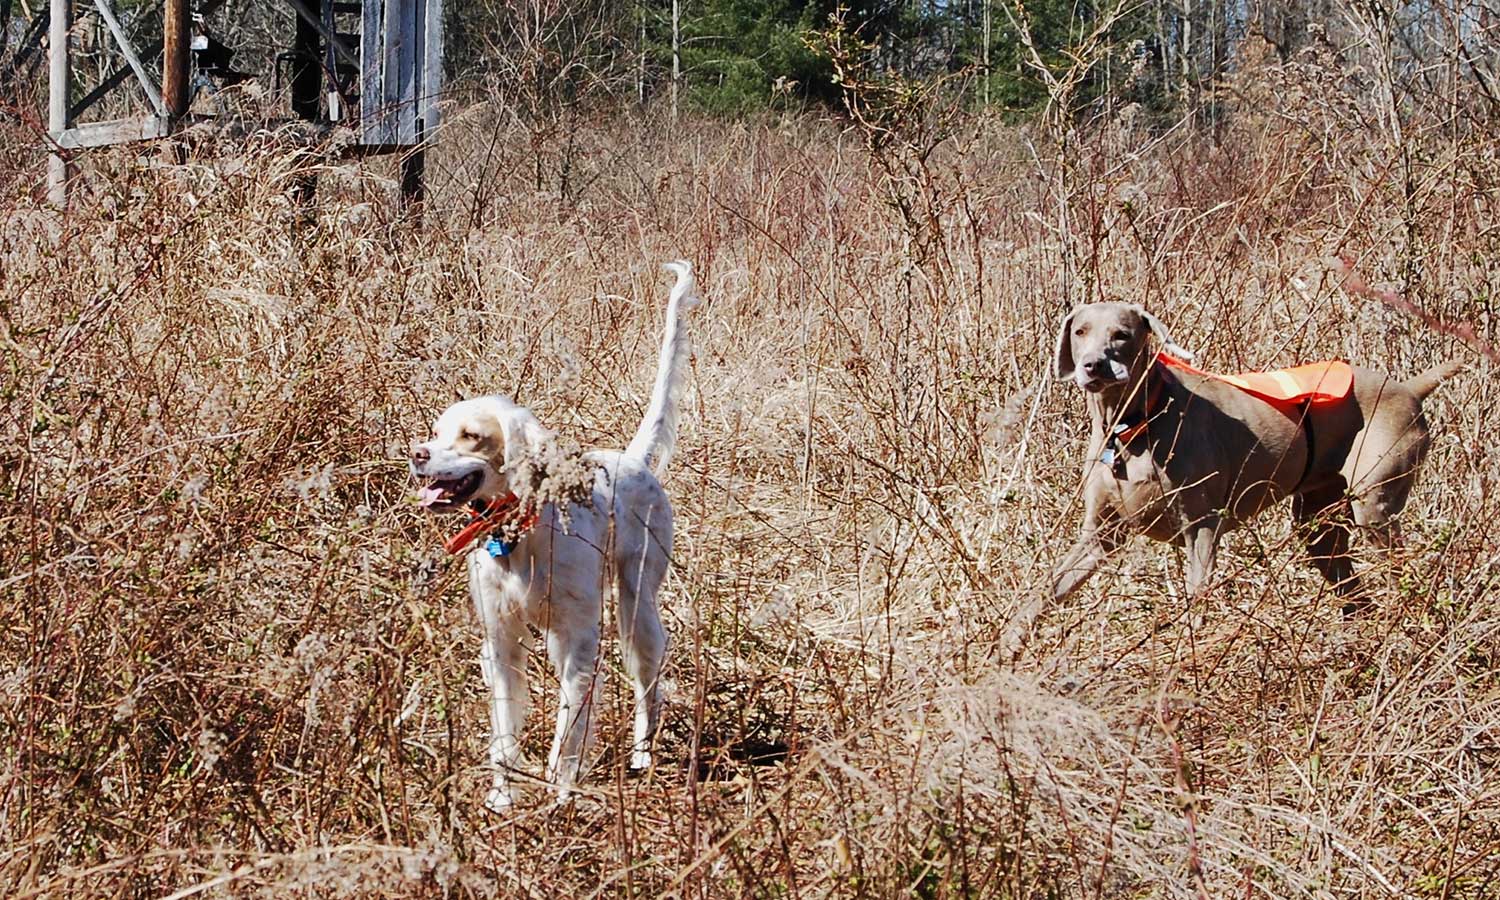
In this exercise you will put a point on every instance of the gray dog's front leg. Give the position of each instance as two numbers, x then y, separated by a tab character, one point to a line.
1200	541
1077	566
1096	541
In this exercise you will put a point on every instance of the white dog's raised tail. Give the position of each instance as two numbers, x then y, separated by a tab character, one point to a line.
655	438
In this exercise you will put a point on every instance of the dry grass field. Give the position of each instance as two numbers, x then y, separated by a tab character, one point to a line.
234	660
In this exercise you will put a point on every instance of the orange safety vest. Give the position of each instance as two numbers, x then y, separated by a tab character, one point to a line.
1314	383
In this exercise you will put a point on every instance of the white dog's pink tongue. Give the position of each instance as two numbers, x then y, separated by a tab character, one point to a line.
428	495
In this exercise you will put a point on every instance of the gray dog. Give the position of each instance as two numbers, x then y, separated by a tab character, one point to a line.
1178	456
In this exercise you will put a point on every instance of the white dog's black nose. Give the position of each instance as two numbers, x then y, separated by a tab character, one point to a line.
420	455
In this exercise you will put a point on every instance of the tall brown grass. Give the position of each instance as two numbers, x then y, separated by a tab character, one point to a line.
234	661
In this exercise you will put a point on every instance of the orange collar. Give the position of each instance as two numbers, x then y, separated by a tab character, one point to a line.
1125	432
1128	428
484	519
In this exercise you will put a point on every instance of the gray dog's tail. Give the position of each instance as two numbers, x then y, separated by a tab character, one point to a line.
1427	382
657	434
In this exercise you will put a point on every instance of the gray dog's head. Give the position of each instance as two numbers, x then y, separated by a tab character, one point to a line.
1104	345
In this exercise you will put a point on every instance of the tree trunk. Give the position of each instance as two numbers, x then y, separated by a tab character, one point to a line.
987	26
676	52
1186	49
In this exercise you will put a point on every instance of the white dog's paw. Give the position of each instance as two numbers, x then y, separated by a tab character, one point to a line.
640	760
499	801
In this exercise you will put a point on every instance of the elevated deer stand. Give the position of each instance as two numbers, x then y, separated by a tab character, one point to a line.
383	79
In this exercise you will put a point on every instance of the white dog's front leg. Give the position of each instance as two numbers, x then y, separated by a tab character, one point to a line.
576	658
503	661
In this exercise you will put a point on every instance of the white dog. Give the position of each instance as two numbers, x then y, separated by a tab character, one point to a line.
551	572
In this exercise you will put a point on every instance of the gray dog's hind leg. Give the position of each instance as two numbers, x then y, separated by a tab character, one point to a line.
1324	516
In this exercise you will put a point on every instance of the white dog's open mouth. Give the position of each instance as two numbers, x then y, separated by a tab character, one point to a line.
441	493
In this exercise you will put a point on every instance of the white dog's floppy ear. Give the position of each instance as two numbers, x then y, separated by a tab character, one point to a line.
1063	365
523	434
1160	330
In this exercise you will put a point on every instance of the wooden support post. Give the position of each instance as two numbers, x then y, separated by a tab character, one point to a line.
413	176
58	82
176	39
307	70
307	89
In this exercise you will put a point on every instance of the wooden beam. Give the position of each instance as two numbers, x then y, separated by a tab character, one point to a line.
306	14
115	131
30	41
147	84
57	97
176	39
119	75
113	81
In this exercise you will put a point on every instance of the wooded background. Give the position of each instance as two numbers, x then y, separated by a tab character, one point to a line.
733	57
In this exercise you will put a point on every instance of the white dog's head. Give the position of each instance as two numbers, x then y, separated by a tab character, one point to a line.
469	457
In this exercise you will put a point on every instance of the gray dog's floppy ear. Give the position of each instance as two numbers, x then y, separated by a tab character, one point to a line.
1063	365
1160	330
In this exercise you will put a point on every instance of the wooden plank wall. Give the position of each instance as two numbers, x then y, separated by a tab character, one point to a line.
401	63
432	68
371	121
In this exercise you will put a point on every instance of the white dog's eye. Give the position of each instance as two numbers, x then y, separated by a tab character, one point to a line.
1121	336
468	435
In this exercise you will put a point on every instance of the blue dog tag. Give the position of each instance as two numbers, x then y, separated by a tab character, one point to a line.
498	548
